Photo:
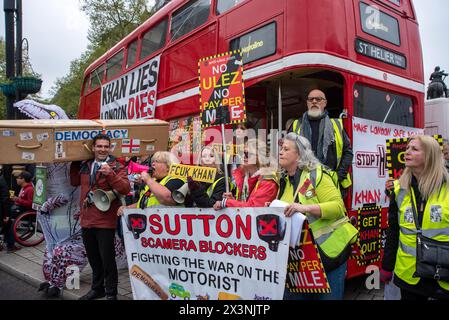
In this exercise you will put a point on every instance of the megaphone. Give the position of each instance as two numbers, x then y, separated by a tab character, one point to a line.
136	168
103	199
180	195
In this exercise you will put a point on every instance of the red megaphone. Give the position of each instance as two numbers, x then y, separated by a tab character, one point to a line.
136	168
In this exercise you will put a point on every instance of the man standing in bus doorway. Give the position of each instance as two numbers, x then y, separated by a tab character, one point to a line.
98	227
328	138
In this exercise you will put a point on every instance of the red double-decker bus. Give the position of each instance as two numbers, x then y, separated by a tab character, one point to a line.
364	54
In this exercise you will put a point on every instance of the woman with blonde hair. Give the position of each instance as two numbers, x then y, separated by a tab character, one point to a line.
419	208
256	184
203	194
158	184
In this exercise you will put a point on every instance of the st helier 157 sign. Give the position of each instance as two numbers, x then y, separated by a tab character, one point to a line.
379	53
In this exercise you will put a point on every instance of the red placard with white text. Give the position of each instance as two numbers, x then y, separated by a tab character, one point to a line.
222	92
305	271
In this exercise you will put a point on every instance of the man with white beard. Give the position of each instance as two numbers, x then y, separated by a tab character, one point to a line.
328	138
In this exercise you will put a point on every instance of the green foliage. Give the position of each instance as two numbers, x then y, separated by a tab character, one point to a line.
110	21
27	71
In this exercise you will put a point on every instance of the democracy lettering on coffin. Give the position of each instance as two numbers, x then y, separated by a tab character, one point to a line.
133	95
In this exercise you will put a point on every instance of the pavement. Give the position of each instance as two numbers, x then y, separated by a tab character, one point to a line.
26	264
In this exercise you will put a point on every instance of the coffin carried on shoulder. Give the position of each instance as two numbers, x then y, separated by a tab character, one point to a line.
44	141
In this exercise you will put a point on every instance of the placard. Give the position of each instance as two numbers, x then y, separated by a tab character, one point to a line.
222	92
203	254
396	155
198	173
305	271
369	242
40	190
369	168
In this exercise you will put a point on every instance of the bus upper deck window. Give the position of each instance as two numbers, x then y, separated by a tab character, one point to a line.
96	77
114	65
132	52
225	5
383	106
189	17
154	39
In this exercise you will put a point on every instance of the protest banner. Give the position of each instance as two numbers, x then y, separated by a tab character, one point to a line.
201	174
305	271
369	167
222	92
369	242
40	190
396	155
133	95
199	254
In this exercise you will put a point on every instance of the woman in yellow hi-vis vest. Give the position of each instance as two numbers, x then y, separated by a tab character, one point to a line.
310	189
159	186
422	192
203	194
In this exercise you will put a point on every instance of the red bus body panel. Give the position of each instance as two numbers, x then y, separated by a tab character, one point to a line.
310	33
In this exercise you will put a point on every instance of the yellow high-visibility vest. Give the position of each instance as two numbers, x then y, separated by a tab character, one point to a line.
332	235
151	200
436	228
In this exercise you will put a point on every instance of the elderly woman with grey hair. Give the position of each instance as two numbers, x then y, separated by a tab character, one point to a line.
308	188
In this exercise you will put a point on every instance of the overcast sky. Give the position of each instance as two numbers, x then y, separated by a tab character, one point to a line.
57	34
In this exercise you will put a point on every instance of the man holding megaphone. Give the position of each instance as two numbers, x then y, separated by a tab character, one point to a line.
103	181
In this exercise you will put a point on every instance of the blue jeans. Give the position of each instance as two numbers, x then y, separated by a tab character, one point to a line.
336	279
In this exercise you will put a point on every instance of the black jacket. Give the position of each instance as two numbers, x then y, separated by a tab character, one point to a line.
201	199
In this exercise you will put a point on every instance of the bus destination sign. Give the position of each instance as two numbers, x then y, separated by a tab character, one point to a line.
376	52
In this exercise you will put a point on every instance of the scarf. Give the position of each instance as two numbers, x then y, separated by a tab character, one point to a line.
326	134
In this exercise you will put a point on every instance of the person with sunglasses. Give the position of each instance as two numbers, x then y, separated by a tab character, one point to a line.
256	182
328	138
